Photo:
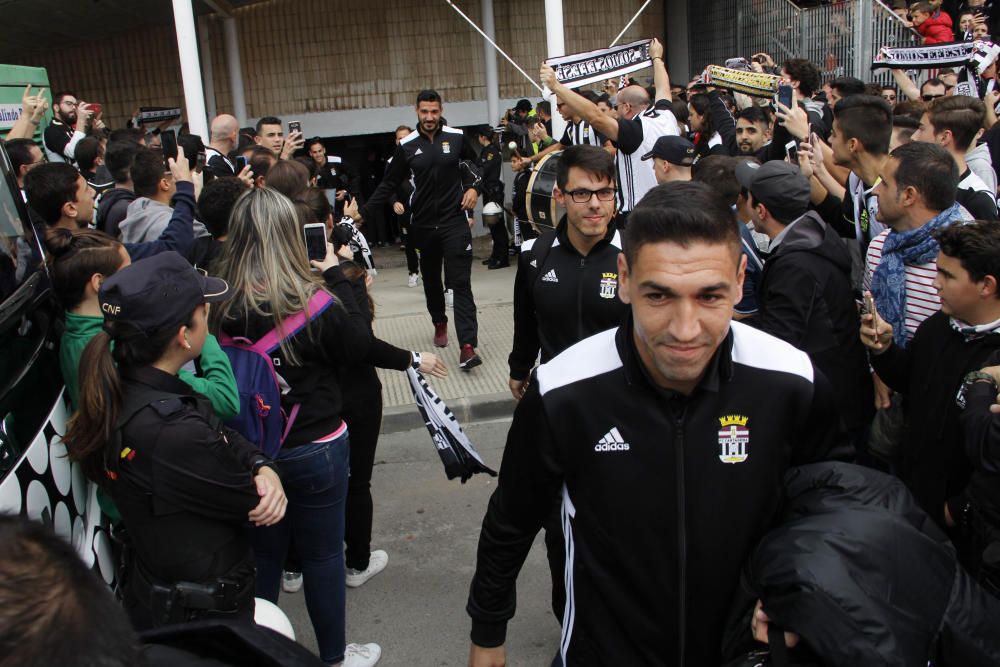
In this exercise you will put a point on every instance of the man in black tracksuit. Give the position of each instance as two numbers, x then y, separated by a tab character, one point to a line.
667	439
446	184
567	279
805	296
566	289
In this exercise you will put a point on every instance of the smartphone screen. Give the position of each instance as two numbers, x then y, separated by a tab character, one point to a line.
785	95
168	140
241	163
792	150
294	126
315	241
200	164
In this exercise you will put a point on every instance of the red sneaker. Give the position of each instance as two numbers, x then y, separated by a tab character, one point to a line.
468	359
441	334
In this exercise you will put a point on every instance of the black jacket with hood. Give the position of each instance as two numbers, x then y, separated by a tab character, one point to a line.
929	371
112	209
866	578
805	298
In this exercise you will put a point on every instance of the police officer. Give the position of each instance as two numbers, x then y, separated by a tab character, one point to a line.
490	163
446	185
186	486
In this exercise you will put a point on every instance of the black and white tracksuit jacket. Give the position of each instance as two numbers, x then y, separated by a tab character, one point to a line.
442	169
663	495
562	297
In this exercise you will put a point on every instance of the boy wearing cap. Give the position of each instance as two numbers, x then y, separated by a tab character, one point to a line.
805	295
672	158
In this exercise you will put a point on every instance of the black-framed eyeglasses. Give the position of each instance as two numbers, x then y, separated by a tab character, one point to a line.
583	196
928	98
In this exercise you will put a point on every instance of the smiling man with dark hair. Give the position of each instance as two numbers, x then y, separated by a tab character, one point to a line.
656	439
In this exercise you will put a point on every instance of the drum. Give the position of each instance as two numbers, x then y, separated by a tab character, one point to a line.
543	210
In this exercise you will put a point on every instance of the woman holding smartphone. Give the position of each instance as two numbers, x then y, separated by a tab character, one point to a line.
265	262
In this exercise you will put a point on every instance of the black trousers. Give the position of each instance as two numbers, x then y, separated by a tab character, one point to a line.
364	421
412	261
449	247
499	234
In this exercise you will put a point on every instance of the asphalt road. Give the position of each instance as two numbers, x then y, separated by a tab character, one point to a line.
415	609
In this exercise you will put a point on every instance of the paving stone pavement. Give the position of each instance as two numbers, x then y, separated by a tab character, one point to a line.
401	319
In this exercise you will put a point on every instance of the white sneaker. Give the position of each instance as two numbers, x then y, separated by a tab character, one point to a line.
413	280
449	298
291	582
376	563
362	655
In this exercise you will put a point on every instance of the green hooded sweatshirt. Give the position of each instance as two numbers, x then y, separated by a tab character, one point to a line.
218	384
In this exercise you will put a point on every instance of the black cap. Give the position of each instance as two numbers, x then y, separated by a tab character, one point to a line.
673	149
158	292
524	105
778	185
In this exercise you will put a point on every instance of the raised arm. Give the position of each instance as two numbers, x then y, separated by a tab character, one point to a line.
580	105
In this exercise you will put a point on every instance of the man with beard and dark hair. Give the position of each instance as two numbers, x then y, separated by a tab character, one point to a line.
753	132
446	184
70	123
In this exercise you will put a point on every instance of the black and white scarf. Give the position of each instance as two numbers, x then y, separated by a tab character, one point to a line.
459	457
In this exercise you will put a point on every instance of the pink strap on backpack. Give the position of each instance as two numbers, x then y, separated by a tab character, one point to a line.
270	341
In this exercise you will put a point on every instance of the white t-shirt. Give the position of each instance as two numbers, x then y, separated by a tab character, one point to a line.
636	137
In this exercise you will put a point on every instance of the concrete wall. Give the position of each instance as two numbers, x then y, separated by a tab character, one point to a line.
339	69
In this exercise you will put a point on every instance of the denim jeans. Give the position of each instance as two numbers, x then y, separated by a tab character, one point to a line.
314	477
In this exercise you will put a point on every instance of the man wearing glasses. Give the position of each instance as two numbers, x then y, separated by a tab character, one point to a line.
932	89
566	289
70	123
889	95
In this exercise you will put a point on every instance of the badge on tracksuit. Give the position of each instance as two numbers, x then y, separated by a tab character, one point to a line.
609	285
734	437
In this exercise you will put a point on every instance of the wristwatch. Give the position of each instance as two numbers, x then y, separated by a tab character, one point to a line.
969	380
262	462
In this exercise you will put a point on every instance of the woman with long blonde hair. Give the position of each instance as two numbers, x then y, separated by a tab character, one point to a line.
265	263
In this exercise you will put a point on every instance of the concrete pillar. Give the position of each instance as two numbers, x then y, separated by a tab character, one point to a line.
207	72
235	70
187	50
490	55
555	43
677	41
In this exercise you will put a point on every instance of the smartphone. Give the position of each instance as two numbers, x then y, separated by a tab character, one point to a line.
315	234
168	139
294	126
792	151
784	95
199	166
94	108
241	163
869	303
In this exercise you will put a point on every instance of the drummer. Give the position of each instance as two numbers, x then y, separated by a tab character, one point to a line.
521	164
567	291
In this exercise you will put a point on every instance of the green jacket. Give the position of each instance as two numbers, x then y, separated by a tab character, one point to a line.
218	384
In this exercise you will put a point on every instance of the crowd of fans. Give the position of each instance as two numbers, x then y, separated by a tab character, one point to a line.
867	221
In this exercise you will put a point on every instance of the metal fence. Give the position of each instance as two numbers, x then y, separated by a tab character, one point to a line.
841	39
